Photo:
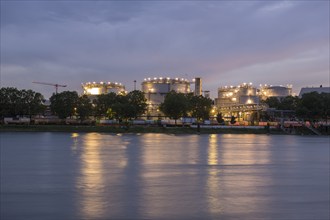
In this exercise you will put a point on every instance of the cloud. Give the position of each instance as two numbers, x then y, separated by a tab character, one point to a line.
79	41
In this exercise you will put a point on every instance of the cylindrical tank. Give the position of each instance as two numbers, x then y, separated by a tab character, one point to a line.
98	88
275	91
155	90
247	100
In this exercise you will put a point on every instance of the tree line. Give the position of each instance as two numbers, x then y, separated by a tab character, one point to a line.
122	107
66	104
14	102
313	106
177	105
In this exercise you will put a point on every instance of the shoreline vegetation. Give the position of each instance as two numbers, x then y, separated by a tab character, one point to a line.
148	129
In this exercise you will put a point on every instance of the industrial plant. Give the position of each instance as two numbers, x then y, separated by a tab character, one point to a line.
243	101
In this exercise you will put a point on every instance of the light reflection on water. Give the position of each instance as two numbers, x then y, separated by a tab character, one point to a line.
158	176
100	170
91	182
213	187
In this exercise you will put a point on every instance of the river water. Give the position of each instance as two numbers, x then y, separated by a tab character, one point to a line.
158	176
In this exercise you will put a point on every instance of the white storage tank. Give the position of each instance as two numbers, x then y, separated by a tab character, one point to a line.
155	89
275	91
98	88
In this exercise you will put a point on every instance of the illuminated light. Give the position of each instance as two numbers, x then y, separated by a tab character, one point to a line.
168	78
193	80
231	86
250	83
94	82
93	91
234	99
155	78
149	79
176	79
116	83
145	79
160	78
249	101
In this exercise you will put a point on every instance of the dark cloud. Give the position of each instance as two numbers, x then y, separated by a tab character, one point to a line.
78	41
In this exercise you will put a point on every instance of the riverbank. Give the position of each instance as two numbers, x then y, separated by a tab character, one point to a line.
137	129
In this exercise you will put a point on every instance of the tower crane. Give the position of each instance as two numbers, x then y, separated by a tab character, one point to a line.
51	84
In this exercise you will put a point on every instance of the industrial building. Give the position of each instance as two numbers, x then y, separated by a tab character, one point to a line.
319	90
242	102
237	95
267	91
98	88
155	90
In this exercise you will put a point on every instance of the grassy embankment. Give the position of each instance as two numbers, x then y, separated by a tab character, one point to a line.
132	129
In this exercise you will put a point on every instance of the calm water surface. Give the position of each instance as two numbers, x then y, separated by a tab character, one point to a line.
157	176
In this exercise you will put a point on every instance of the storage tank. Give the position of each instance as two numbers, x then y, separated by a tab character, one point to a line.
275	91
98	88
235	95
155	90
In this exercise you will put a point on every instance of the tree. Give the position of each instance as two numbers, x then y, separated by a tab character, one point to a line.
129	106
15	102
314	106
175	105
325	105
32	103
199	107
104	103
138	103
9	101
289	103
272	102
84	107
63	104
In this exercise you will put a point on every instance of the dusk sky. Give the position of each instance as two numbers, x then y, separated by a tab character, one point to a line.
223	42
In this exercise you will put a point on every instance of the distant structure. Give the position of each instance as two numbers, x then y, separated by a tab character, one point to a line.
155	90
98	88
240	101
267	91
206	93
319	90
237	95
198	86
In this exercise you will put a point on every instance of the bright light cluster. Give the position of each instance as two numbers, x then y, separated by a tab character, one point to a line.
165	80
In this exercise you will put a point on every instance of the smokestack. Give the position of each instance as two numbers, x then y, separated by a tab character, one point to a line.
198	86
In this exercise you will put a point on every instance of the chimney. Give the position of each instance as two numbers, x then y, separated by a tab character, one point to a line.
198	86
